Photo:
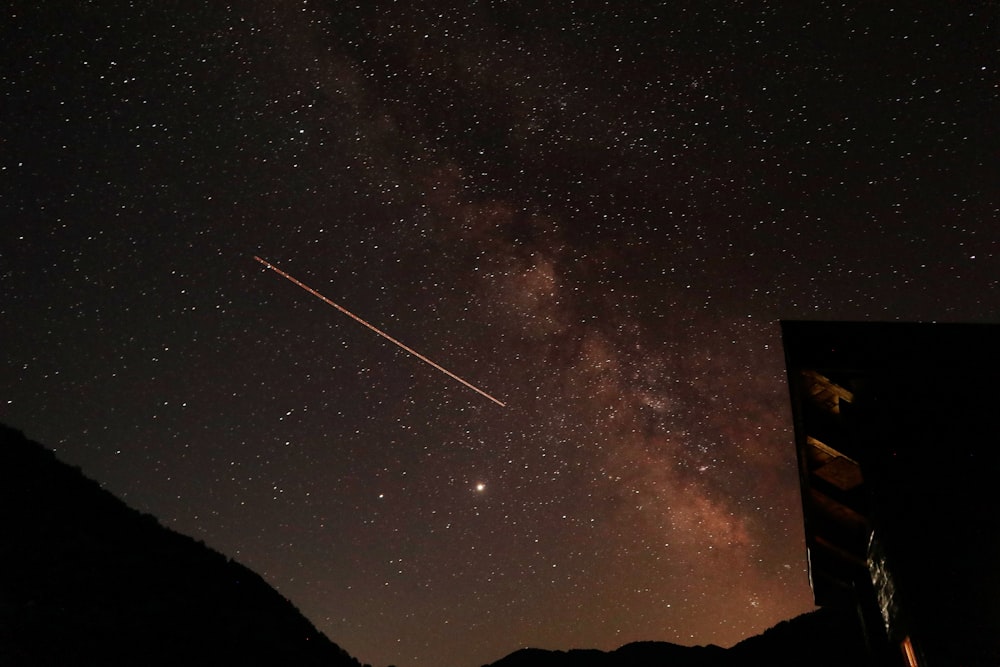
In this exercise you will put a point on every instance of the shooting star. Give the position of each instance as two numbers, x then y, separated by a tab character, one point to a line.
375	329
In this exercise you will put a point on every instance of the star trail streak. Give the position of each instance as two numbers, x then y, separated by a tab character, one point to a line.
375	329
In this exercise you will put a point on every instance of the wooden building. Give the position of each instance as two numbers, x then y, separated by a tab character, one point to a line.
897	429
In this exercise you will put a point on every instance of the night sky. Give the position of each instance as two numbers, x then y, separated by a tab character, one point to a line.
595	212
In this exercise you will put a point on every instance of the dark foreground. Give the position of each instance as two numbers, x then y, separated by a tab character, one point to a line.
86	580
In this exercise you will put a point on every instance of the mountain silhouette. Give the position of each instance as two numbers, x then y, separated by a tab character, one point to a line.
822	638
636	654
827	637
86	580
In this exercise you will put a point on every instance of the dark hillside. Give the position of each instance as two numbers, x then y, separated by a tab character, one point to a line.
638	654
86	580
822	638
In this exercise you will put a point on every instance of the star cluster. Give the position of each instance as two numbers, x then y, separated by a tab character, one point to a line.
595	212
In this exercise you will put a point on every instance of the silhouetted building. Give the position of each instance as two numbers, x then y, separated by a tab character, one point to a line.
896	427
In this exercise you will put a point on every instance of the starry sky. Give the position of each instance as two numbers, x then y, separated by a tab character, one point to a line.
596	212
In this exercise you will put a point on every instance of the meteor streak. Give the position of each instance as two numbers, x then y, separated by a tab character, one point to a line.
375	329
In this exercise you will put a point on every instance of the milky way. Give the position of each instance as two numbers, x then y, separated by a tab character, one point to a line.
597	212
